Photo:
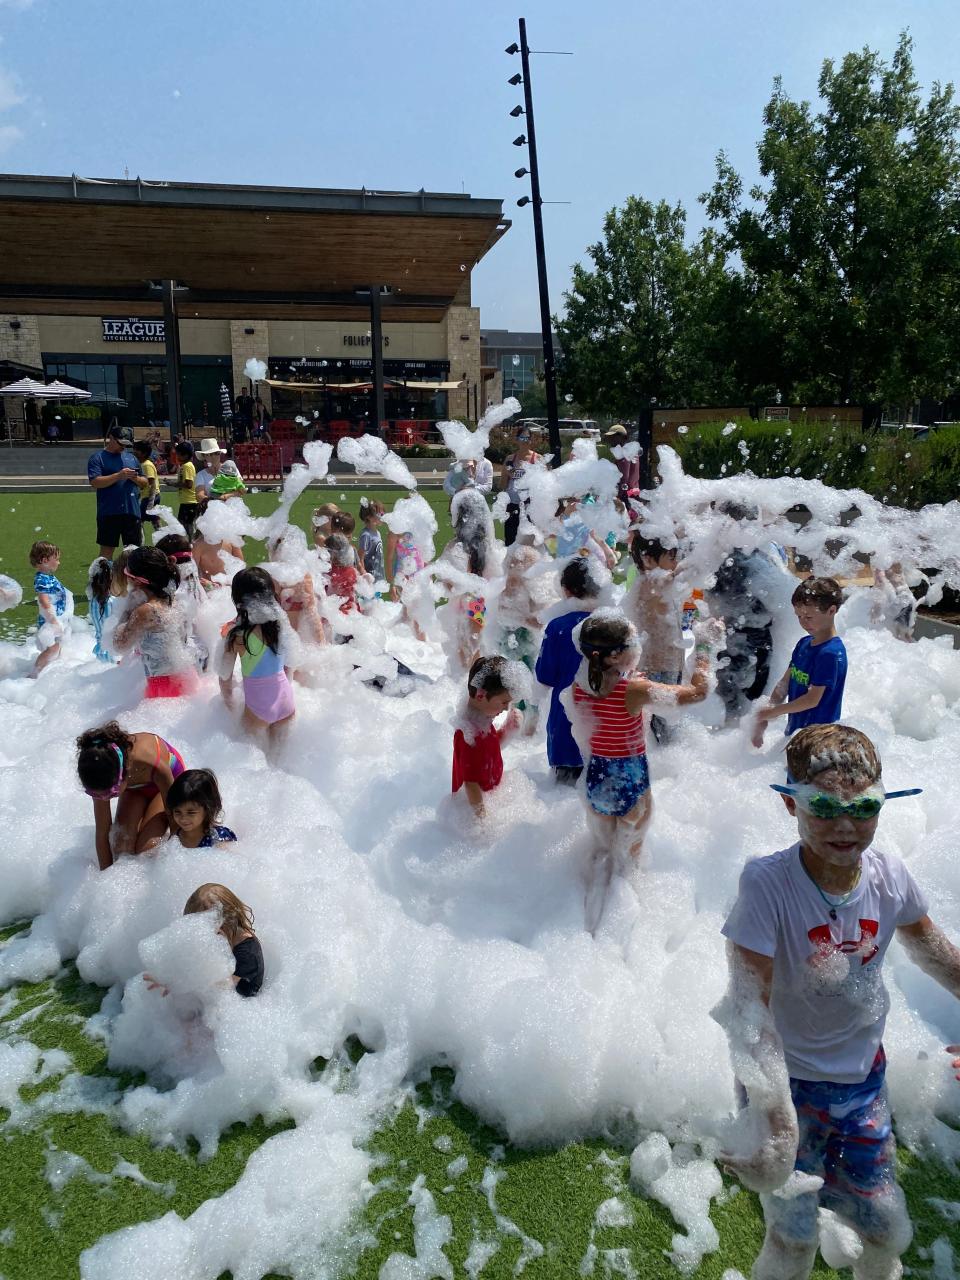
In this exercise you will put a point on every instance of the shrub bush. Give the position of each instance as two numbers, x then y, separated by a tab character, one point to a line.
894	467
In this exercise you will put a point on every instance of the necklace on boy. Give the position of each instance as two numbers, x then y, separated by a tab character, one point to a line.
841	902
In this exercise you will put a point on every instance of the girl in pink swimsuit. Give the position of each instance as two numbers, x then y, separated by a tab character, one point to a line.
254	638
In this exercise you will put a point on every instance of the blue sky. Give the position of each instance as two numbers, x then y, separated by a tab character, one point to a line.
408	94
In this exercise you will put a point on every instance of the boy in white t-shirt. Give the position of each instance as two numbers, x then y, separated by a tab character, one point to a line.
806	1008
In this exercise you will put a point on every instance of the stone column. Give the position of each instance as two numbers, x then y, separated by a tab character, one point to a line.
244	345
23	346
463	352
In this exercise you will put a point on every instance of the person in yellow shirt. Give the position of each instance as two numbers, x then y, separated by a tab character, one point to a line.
186	482
149	485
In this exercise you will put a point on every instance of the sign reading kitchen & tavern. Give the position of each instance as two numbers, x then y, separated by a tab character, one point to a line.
133	329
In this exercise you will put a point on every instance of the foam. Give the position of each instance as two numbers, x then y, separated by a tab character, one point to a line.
383	916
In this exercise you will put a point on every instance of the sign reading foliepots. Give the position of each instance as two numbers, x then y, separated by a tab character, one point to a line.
133	329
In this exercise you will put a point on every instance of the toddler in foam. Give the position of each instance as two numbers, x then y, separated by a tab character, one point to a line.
234	920
806	1007
193	807
477	760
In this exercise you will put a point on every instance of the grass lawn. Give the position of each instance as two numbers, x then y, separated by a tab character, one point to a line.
551	1196
69	520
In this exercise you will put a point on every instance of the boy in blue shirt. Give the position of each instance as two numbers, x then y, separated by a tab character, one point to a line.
813	683
559	662
52	598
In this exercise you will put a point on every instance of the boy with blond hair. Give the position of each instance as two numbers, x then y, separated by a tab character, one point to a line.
806	1008
52	598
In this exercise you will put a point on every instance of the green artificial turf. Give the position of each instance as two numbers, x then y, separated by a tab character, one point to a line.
549	1196
69	520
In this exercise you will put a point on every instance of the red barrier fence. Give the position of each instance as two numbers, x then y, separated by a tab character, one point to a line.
262	461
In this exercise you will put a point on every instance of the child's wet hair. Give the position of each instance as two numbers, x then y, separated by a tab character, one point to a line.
175	545
323	514
342	522
651	548
158	572
473	527
142	448
100	580
196	786
371	509
825	593
341	553
579	580
41	551
98	764
255	599
184	450
822	747
235	915
601	635
487	676
120	583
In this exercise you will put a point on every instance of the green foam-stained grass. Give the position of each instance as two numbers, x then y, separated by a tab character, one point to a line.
550	1196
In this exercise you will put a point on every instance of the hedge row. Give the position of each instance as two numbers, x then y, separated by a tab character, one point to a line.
893	467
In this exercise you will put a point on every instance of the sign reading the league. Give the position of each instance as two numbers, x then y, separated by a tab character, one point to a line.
133	329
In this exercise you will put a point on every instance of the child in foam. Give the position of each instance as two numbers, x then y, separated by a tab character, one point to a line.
806	1008
53	602
234	920
99	583
813	683
135	769
158	627
477	760
254	638
343	579
654	608
472	551
558	663
193	807
370	543
608	699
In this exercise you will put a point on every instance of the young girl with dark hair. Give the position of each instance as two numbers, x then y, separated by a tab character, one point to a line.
99	582
254	638
608	701
157	628
135	769
193	806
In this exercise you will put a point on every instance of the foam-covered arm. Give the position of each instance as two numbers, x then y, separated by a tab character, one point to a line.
932	951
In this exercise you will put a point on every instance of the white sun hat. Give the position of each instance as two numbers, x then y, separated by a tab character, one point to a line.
209	445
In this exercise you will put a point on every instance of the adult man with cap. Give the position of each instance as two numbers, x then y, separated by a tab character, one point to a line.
211	455
629	468
112	472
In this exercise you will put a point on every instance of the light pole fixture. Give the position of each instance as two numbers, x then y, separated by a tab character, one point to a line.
521	172
549	365
516	79
512	48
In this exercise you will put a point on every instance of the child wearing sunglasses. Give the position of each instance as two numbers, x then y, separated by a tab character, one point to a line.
806	1008
135	769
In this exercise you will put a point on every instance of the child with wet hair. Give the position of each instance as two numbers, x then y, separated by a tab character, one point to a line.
471	551
609	695
370	543
235	922
135	769
53	600
254	638
806	1007
100	599
193	807
559	660
477	760
158	627
810	691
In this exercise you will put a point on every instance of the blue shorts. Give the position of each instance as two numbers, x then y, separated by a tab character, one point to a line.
846	1136
614	785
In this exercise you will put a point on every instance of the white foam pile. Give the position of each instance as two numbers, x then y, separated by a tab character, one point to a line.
384	914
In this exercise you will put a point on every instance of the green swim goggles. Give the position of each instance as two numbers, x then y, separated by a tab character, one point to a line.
823	804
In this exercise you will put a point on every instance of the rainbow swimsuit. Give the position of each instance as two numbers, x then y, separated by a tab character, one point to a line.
266	688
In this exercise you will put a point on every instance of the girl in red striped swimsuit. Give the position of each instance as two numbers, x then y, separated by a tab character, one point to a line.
609	708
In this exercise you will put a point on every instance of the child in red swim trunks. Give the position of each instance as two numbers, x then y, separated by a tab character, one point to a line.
477	761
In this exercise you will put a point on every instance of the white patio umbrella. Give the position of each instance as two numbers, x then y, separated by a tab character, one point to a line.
29	388
57	390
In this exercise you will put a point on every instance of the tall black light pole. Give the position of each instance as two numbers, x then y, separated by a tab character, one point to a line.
549	369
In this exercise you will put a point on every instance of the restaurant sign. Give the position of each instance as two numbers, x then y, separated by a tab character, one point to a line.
133	329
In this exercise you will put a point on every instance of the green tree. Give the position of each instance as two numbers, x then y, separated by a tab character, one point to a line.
650	317
850	246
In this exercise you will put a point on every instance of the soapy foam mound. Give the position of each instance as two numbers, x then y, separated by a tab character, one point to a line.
385	915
